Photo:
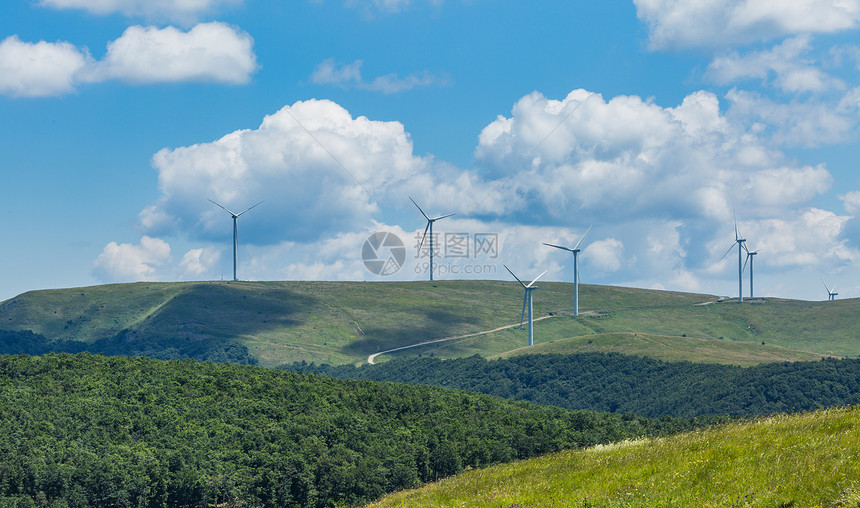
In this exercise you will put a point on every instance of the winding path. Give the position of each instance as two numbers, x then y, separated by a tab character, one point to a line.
372	357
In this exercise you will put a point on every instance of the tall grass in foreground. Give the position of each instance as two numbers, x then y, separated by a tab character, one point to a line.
804	460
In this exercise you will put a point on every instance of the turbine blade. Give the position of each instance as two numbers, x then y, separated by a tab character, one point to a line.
419	208
744	269
744	245
245	210
512	273
221	207
727	252
558	247
536	278
425	235
825	286
583	238
737	235
834	288
443	216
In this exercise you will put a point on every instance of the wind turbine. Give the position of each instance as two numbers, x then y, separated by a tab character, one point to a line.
430	227
235	234
831	292
527	297
749	259
740	241
575	251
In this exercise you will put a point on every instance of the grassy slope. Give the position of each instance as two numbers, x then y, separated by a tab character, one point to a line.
343	322
798	460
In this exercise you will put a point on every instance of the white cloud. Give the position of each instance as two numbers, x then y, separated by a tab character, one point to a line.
794	71
803	124
208	52
179	10
128	262
717	23
39	69
628	158
198	262
319	170
851	201
330	72
605	255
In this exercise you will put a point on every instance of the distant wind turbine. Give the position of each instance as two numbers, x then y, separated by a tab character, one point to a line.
527	297
235	234
749	259
430	227
740	241
575	251
831	292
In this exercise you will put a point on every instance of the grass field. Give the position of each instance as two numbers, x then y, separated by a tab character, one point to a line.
344	322
803	460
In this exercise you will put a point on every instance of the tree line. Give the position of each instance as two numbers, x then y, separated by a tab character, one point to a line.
629	384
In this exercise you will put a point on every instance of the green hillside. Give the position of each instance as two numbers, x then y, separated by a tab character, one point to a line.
344	322
801	460
89	430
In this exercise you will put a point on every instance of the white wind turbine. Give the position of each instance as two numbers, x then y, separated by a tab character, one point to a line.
749	259
740	241
527	297
831	292
235	234
575	251
430	227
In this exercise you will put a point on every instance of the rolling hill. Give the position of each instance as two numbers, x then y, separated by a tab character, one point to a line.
787	460
344	322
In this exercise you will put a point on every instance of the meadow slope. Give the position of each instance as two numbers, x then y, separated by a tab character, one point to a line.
788	460
344	322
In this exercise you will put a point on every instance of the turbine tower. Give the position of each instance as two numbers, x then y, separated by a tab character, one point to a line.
749	259
527	297
740	241
430	227
575	251
831	292
235	234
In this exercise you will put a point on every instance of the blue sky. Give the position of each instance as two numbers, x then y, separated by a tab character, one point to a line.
657	122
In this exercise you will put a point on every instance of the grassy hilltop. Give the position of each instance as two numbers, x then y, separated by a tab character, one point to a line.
344	322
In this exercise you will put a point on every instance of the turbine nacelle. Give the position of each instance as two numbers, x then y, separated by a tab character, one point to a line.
429	227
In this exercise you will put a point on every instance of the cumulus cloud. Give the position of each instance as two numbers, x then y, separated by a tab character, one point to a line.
709	23
209	52
179	10
797	123
39	69
129	262
198	262
319	170
330	72
626	157
792	70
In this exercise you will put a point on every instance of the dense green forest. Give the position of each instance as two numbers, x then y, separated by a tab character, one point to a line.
90	430
129	343
629	384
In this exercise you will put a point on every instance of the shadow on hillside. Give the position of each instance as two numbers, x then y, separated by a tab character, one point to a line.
224	310
429	324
